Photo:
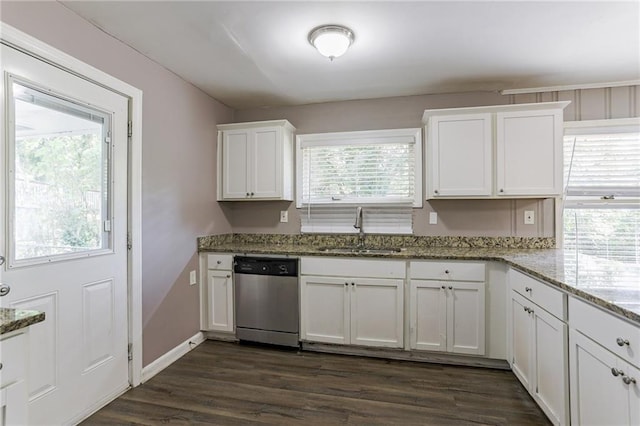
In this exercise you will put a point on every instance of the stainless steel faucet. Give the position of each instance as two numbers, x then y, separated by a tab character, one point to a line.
360	226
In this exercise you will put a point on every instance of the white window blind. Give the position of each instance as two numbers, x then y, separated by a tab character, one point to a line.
601	217
341	218
358	168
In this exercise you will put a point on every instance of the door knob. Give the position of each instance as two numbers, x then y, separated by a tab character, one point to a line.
4	290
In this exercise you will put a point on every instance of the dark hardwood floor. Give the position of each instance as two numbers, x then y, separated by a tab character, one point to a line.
227	383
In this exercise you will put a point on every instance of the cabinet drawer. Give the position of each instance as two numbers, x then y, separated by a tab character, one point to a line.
448	271
350	267
548	298
606	329
220	262
13	355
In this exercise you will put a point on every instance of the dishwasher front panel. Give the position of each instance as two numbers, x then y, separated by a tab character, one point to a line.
267	302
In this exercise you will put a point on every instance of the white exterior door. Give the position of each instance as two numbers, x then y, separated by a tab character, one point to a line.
64	196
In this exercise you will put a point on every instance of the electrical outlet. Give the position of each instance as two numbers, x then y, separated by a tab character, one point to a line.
433	218
529	217
284	216
192	277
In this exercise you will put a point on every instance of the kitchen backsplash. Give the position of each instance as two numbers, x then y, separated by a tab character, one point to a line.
376	241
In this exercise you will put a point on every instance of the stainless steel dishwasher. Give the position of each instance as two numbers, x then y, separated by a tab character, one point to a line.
266	300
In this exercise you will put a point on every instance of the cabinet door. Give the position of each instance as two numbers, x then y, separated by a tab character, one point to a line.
459	156
376	312
428	315
599	395
324	309
465	318
236	147
521	338
13	404
550	370
266	163
220	301
529	153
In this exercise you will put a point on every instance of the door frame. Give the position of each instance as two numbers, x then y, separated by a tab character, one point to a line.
40	50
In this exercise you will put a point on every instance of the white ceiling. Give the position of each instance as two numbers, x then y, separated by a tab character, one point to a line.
255	54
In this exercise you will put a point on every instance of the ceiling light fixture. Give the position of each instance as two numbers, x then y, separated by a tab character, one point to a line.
331	41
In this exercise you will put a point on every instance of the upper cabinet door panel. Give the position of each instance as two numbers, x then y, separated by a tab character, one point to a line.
529	153
267	163
235	149
459	156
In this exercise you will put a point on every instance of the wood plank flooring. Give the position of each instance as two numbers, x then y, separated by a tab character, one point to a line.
227	384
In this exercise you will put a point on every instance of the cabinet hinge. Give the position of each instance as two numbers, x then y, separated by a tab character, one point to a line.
130	351
129	128
129	243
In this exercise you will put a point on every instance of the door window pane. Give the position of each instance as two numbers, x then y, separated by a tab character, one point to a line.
60	176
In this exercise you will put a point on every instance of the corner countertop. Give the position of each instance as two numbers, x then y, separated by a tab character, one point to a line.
614	286
16	319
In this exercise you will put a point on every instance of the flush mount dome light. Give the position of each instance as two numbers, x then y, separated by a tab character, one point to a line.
331	41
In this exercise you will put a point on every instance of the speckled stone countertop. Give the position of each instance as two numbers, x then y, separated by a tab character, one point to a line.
15	319
612	285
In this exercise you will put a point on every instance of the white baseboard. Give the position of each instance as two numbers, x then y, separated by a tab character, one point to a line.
170	357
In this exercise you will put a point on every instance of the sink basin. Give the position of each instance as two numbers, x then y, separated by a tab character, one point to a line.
356	250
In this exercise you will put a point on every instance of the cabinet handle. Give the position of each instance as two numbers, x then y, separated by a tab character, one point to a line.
621	342
627	380
616	372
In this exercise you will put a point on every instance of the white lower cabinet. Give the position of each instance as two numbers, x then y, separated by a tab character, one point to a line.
447	307
539	356
13	386
362	304
605	386
217	312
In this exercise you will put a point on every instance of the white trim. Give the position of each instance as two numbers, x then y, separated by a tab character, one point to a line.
172	356
43	51
570	87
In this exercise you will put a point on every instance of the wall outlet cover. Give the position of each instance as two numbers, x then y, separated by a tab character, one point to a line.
192	277
433	218
284	216
529	217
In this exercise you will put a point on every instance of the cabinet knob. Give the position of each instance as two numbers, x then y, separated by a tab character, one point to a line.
252	194
353	284
247	194
501	190
450	287
4	290
219	262
446	271
442	287
616	372
528	289
0	366
435	191
621	342
228	276
346	283
628	380
1	260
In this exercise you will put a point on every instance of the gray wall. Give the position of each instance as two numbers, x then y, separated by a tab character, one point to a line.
178	166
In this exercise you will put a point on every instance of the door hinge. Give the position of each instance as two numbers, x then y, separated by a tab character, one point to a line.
129	128
107	226
107	139
130	351
129	243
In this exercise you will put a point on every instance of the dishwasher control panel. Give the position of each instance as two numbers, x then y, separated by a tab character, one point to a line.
265	266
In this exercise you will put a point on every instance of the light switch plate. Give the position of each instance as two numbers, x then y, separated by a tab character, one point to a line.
284	216
192	277
433	218
529	217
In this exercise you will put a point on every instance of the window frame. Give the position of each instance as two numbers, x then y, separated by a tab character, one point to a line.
617	125
346	138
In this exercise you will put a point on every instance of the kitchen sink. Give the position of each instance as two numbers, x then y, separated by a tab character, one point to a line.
358	250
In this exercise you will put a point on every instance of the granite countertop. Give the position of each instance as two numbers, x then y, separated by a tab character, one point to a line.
612	285
15	319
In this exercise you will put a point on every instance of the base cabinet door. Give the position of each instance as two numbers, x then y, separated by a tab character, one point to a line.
447	316
428	316
550	365
13	404
376	312
604	388
220	301
521	339
324	309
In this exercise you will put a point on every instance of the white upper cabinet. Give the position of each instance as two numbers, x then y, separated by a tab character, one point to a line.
255	161
492	152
